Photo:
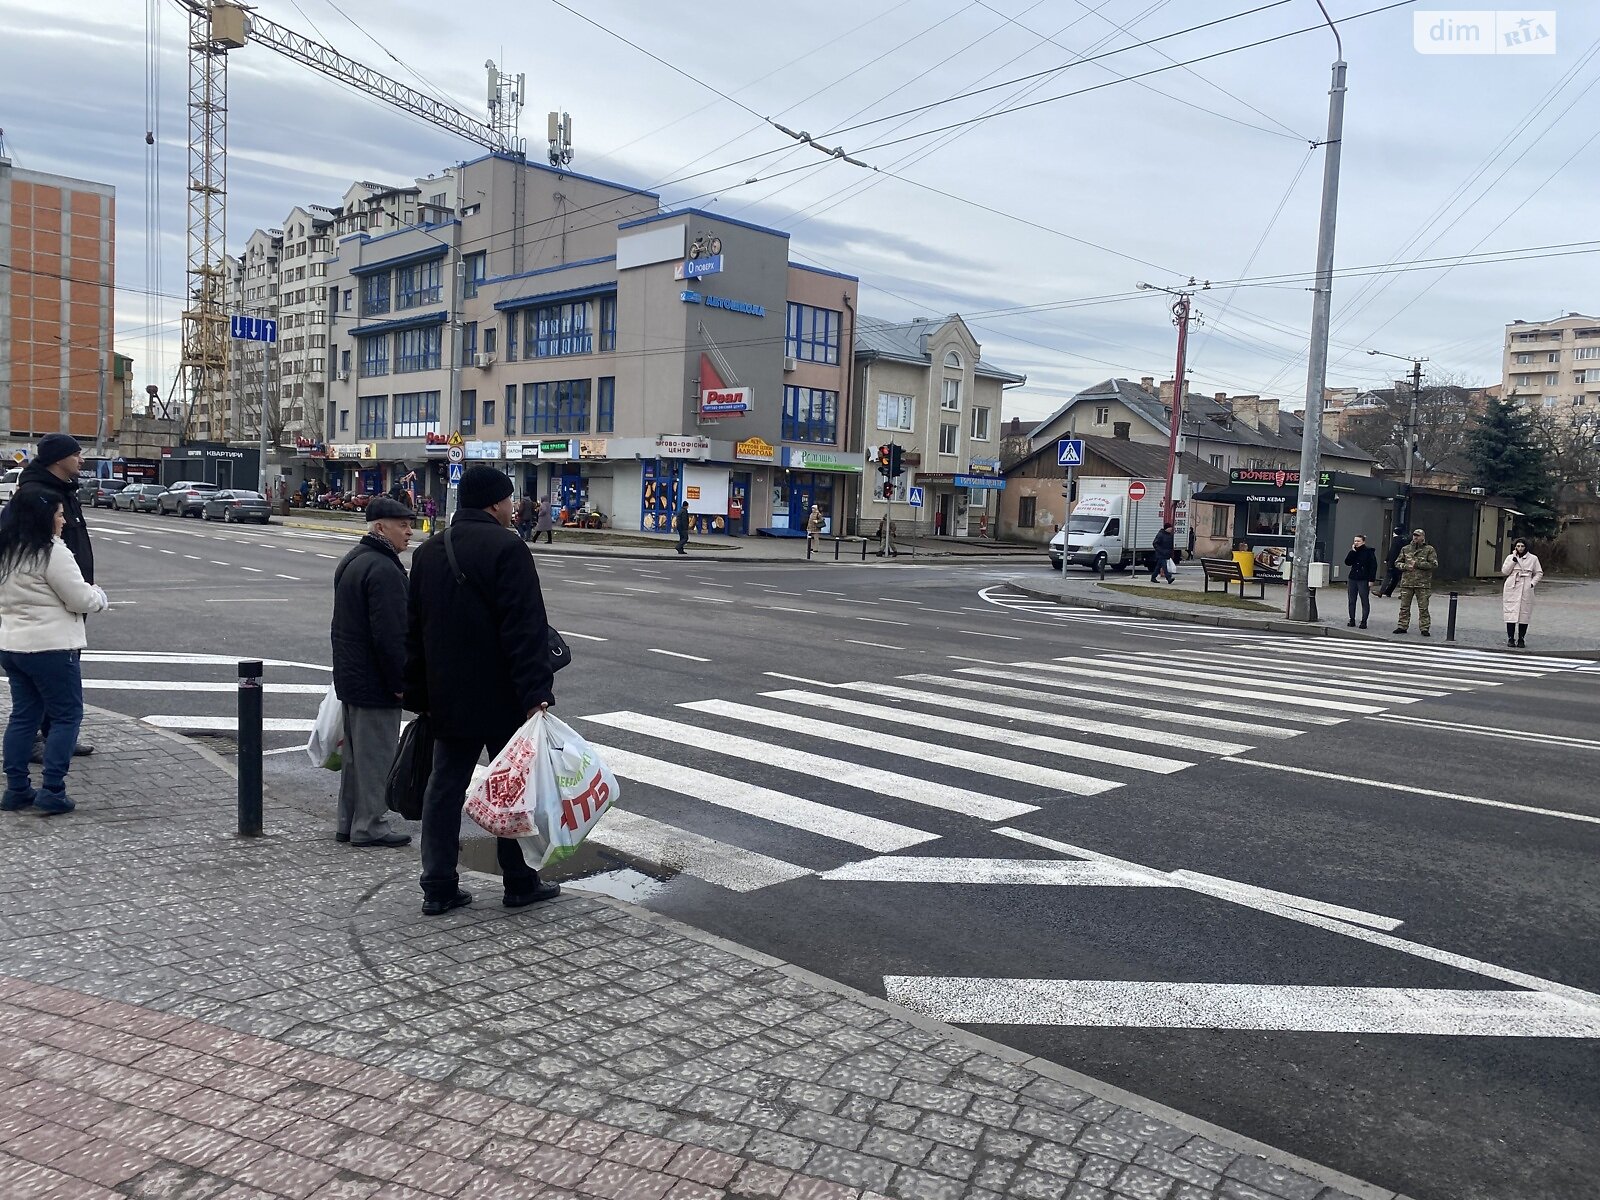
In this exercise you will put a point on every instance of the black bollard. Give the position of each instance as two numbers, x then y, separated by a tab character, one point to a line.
249	742
1450	620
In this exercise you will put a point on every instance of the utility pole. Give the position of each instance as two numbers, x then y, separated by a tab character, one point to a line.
1181	316
1305	530
1404	516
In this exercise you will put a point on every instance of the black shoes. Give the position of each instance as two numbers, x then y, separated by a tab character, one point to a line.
81	750
1511	641
388	839
1401	629
341	837
432	907
545	891
1363	625
1521	645
1351	623
1425	633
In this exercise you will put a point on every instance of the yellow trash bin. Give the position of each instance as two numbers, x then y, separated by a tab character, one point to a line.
1247	563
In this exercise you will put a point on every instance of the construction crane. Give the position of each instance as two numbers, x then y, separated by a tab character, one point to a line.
215	28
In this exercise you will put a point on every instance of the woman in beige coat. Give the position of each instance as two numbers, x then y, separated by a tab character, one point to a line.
1523	573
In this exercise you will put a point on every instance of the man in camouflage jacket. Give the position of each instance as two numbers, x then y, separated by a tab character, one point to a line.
1417	563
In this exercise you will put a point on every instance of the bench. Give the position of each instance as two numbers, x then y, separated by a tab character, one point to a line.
1226	571
836	543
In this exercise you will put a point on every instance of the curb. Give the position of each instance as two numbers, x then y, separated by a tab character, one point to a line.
1267	624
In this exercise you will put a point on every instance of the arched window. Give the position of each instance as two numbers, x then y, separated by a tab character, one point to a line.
953	359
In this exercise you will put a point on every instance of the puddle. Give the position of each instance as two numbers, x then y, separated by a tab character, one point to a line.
593	868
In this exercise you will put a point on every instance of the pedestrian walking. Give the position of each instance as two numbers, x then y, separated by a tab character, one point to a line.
525	515
1392	578
43	600
1362	560
1417	563
1523	573
56	462
1161	554
477	664
545	523
813	527
680	523
369	659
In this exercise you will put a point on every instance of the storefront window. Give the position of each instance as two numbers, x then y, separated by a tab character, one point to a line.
1270	518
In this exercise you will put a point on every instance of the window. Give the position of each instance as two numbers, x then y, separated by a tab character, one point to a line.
1025	512
895	411
1272	518
559	407
374	414
344	420
812	334
416	414
1553	357
980	424
951	400
344	364
488	415
1553	335
1221	521
1592	375
1586	352
557	330
511	341
1524	360
810	415
952	360
417	349
1102	415
375	356
374	295
1552	379
1551	401
469	343
490	335
605	406
477	271
608	322
1216	461
420	283
511	408
949	432
469	411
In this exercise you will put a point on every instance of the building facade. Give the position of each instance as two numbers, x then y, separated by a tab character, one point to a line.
57	277
1554	366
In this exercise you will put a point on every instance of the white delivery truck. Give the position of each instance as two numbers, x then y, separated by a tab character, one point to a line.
1108	523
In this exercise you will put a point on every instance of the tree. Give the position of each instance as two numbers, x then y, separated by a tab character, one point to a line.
1572	453
1509	459
1445	407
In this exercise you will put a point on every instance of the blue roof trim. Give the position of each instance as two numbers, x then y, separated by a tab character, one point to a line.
400	260
586	262
581	293
825	271
611	183
701	212
419	322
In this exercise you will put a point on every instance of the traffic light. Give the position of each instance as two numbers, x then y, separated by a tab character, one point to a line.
885	457
896	467
888	490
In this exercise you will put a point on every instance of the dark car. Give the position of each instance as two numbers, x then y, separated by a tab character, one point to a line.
185	498
236	505
138	497
104	493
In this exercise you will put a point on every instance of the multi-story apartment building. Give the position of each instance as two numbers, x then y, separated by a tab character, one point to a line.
1554	366
925	387
57	274
302	350
252	291
610	355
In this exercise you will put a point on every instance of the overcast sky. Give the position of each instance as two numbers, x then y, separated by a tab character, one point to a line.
1204	170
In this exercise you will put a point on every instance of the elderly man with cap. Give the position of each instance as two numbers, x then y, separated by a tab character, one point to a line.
477	663
369	657
54	471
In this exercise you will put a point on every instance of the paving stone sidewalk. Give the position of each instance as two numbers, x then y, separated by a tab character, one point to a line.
185	1014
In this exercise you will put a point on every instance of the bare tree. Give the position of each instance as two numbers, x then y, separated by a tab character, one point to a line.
1446	408
1572	451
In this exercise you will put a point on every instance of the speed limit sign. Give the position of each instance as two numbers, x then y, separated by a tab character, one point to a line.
455	454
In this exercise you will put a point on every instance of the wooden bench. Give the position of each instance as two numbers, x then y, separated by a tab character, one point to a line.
1226	571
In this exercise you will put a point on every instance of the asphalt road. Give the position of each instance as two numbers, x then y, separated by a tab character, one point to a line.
1339	897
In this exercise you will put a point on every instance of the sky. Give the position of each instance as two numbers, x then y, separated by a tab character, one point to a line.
1037	225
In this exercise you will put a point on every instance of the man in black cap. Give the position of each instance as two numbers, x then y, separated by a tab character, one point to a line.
477	663
54	471
369	659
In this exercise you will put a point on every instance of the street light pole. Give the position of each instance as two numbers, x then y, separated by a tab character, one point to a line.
1305	533
1404	516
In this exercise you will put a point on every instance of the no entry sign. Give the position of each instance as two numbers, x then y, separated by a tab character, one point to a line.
1136	490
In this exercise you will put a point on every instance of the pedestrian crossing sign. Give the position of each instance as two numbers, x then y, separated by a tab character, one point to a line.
1069	452
455	474
914	497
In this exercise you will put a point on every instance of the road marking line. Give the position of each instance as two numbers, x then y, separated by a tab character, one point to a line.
228	724
327	556
821	592
164	550
1154	679
819	766
802	679
1395	655
717	863
256	570
251	600
712	599
997	735
874	645
1462	675
190	660
588	637
810	612
1043	872
676	654
888	743
1301	1008
1143	693
295	578
196	557
986	661
1166	664
1418	791
1010	637
215	563
892	600
646	591
1515	735
185	685
881	621
1355	680
292	550
764	803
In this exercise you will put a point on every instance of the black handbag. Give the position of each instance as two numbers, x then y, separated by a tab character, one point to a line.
555	646
413	763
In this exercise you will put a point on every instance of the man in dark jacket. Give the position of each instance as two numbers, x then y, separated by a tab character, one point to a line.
477	663
1161	554
1363	563
369	658
680	523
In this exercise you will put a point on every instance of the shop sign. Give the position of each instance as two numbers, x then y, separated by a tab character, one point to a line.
304	447
753	450
591	447
698	268
984	466
725	401
818	460
723	302
556	448
513	449
353	451
1279	477
979	482
682	447
436	445
476	449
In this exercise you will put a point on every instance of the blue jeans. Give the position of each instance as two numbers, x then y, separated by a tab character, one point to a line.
46	683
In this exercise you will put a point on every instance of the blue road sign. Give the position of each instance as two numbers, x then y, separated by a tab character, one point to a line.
455	474
1069	452
914	497
253	329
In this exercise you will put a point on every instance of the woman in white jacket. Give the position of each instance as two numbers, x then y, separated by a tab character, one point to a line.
1523	573
43	599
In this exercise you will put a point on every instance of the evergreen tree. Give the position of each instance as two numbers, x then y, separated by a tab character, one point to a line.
1509	460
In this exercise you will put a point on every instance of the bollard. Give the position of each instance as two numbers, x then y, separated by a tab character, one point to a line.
249	742
1099	562
1450	619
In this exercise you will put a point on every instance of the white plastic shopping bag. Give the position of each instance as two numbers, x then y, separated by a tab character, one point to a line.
547	788
325	748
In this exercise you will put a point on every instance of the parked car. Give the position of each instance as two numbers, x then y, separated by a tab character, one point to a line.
236	505
105	491
8	483
138	497
185	498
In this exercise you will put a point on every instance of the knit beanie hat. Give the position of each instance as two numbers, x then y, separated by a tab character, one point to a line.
483	486
53	447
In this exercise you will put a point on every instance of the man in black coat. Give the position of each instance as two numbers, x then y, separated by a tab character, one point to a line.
477	664
1161	554
369	659
1363	563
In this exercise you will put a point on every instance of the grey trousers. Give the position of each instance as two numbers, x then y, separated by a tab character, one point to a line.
371	736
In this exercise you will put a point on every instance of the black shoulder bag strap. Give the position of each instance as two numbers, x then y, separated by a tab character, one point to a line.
556	648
